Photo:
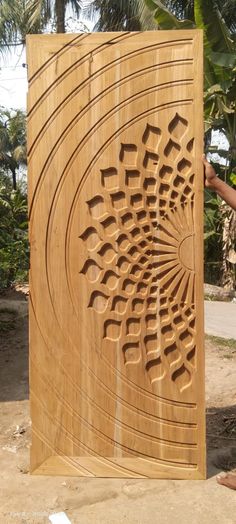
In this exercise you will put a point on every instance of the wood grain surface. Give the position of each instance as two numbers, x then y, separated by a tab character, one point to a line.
115	137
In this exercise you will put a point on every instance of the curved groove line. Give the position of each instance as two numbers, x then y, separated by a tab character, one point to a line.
116	397
100	122
73	439
91	132
86	82
98	97
76	440
86	174
121	424
187	465
116	61
72	461
55	57
71	68
67	459
65	48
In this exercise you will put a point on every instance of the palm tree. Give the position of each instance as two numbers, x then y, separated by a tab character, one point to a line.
12	141
59	7
119	15
21	17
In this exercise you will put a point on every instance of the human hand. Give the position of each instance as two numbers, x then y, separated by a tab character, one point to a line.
212	181
210	174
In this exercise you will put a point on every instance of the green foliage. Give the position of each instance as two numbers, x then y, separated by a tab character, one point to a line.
226	60
213	227
14	249
232	177
13	201
165	18
12	141
184	9
113	15
119	15
222	343
21	17
17	19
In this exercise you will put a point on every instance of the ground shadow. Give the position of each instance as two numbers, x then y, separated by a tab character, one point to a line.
221	439
14	374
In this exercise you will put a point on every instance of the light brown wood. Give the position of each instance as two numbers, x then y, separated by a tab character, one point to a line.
115	138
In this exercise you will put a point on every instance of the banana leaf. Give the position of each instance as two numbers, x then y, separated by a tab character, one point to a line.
217	36
165	19
227	60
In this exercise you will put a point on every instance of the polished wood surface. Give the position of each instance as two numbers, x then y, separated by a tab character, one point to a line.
115	133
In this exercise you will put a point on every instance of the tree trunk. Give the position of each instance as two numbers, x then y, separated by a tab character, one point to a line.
60	9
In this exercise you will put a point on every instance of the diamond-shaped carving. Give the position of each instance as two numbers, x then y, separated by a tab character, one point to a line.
172	150
151	136
178	126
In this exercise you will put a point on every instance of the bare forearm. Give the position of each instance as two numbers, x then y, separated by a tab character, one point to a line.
226	192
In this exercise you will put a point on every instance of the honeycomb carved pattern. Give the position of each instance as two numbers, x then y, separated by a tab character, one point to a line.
176	355
139	266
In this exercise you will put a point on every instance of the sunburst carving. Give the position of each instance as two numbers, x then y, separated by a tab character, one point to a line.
140	265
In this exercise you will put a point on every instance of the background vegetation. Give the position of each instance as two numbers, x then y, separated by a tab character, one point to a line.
217	18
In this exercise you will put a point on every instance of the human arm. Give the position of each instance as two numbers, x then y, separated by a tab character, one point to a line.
226	192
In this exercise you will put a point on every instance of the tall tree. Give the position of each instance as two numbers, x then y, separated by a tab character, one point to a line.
12	142
60	7
21	17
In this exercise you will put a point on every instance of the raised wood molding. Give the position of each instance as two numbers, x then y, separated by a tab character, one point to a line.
115	137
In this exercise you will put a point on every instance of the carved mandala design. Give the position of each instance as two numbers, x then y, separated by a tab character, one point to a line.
139	244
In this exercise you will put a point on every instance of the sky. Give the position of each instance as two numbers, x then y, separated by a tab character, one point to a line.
13	70
13	79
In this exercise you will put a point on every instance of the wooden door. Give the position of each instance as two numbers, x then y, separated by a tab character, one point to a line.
116	315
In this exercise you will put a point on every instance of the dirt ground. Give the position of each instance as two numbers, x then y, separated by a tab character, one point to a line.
31	499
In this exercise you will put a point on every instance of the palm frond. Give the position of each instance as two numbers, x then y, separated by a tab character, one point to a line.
76	5
114	15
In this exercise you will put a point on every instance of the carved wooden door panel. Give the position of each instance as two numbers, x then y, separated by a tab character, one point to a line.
116	315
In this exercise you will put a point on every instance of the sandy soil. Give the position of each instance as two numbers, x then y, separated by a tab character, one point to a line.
29	499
